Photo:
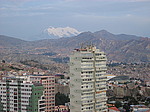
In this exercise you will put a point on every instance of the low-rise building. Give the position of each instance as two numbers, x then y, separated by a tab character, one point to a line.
139	108
113	109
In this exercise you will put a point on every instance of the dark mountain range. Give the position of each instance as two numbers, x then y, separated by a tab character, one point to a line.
105	34
119	48
6	41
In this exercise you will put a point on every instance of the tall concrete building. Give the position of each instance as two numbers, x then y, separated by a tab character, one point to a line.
88	80
27	94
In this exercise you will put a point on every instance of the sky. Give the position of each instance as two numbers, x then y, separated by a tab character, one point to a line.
28	18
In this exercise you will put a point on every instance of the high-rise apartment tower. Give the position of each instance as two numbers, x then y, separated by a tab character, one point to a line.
88	80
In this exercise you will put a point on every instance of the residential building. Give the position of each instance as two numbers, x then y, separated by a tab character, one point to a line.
24	94
139	108
61	108
48	82
88	80
19	95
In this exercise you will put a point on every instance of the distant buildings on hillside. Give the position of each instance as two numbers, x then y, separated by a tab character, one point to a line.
88	86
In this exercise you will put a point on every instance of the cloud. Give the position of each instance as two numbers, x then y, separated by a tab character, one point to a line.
8	9
139	0
23	14
109	0
18	0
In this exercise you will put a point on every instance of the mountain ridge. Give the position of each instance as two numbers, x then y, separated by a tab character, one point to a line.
11	41
129	49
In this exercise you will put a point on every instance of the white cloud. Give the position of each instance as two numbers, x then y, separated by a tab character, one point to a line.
131	0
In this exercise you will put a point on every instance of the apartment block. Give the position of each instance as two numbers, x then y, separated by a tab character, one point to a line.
24	94
88	80
49	90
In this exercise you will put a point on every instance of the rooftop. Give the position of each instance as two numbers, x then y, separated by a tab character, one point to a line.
119	78
114	108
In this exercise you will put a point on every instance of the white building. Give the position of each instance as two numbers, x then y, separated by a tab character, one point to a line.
88	80
34	93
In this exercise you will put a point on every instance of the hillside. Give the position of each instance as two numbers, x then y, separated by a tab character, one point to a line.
125	48
6	41
119	48
10	45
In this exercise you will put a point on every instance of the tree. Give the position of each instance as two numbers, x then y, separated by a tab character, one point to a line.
126	107
3	61
61	99
118	104
133	101
147	101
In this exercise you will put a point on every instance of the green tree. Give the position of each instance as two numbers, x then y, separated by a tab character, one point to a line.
61	99
118	104
126	107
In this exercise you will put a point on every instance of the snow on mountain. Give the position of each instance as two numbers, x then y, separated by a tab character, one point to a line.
62	32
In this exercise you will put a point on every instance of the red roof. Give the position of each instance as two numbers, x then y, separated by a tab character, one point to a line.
114	108
148	110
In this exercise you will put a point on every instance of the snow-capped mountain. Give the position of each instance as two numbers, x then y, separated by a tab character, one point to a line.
61	32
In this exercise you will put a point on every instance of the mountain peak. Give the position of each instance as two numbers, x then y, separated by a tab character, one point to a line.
61	32
103	32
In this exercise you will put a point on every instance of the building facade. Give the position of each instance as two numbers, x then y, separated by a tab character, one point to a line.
49	90
24	94
88	80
